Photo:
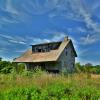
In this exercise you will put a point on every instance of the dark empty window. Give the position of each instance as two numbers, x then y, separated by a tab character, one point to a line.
39	50
72	53
66	52
53	71
73	65
33	49
50	47
43	50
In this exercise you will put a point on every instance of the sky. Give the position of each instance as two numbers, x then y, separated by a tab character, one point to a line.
27	22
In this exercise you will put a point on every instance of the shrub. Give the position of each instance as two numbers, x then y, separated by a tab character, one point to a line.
5	67
89	93
27	73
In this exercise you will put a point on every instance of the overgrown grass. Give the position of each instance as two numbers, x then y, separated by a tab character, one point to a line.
44	86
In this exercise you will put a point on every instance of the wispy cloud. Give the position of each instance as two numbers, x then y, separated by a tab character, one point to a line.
87	18
58	36
55	37
89	39
35	7
94	6
2	49
20	51
17	42
13	39
79	29
76	10
27	40
10	13
98	53
10	8
7	20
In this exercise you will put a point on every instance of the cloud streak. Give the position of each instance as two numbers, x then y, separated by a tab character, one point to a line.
10	8
13	39
90	39
27	40
65	8
77	10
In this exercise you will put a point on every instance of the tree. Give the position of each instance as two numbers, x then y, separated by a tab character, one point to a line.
0	58
88	67
78	67
5	66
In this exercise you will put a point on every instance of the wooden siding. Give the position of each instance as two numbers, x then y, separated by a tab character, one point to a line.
67	59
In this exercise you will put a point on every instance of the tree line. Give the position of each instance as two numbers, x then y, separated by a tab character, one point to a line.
87	68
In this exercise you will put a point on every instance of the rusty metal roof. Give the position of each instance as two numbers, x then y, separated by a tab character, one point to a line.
53	55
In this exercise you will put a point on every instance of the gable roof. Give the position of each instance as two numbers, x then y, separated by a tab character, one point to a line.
52	55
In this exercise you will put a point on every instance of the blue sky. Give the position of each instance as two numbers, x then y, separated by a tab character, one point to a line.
26	22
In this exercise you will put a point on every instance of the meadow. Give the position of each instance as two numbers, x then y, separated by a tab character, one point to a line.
18	84
44	86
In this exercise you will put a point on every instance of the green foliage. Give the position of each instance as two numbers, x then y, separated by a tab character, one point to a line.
5	67
87	68
21	94
38	71
62	88
20	68
77	67
27	73
56	91
0	59
88	93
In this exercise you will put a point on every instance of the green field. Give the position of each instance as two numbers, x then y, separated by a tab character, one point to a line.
43	86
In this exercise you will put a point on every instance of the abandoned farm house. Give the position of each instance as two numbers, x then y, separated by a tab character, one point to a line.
52	57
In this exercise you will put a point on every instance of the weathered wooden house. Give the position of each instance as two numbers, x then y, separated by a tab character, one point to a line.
53	57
